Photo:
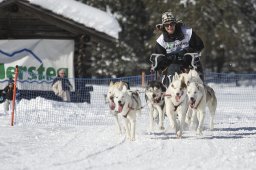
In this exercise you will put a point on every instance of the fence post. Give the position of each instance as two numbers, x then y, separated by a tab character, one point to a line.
143	79
14	94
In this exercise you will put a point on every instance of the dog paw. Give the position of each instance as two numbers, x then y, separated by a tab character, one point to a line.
211	128
150	132
132	139
179	134
161	128
199	132
127	137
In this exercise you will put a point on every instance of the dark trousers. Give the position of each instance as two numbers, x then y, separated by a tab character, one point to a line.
166	76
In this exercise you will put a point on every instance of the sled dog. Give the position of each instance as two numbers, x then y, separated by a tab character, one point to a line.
117	86
211	100
128	103
176	102
200	96
154	95
191	76
197	102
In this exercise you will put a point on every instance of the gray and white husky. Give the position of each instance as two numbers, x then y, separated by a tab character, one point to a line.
154	95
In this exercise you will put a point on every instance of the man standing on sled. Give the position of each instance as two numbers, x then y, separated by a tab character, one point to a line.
172	47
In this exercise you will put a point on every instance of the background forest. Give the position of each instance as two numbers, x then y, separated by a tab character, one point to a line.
227	27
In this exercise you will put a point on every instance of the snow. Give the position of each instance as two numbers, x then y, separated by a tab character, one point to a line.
84	14
89	16
97	146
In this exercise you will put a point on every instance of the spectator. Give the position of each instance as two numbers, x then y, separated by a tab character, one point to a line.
61	86
8	95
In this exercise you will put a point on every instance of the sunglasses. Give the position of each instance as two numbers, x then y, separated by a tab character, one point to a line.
172	24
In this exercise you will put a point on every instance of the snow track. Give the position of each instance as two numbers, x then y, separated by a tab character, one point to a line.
230	146
99	147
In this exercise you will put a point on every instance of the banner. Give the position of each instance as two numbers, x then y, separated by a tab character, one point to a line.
39	60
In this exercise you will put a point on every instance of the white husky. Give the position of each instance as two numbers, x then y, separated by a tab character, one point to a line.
191	76
128	103
113	87
211	100
176	102
197	102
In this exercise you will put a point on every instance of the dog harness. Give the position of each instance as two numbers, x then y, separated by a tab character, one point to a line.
198	102
130	107
175	107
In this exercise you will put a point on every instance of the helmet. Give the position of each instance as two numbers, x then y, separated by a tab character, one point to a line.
168	17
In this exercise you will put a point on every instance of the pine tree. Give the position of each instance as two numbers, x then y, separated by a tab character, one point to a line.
226	27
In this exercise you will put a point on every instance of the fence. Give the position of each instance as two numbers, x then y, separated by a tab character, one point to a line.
235	93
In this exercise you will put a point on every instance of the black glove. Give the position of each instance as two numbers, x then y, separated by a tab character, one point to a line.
159	62
188	61
177	58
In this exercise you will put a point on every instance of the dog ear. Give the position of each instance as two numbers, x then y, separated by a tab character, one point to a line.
188	82
194	73
183	84
127	84
190	73
124	89
120	85
175	77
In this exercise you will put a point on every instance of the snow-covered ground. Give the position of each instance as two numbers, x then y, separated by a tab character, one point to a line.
56	146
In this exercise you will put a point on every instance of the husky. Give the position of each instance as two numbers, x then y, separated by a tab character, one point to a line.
113	87
128	103
191	76
197	102
176	102
201	96
211	100
154	95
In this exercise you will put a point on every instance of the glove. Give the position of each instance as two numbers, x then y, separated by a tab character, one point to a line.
159	62
188	61
177	58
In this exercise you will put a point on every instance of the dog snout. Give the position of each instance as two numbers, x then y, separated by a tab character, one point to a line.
177	94
154	95
119	102
192	98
